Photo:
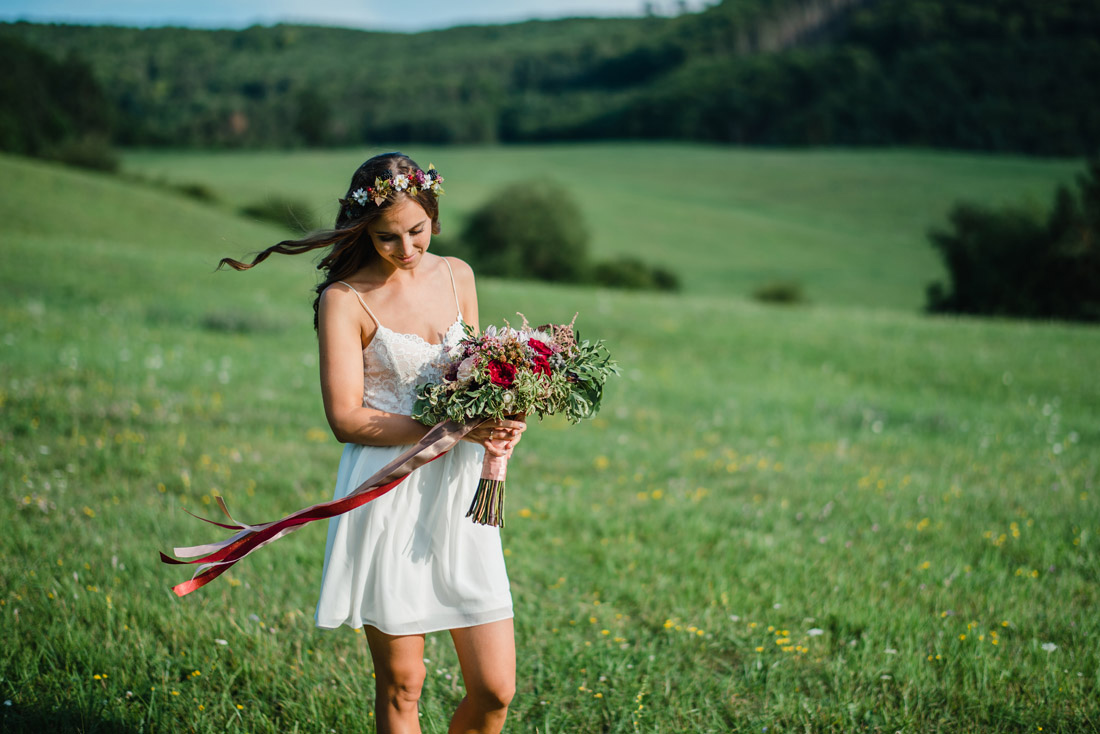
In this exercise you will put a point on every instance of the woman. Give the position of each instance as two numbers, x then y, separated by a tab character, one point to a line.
409	562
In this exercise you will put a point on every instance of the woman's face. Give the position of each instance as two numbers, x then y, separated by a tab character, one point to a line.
401	234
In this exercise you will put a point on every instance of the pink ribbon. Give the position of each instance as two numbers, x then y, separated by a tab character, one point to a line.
219	557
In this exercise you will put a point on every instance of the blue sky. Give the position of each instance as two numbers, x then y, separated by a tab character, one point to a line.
375	14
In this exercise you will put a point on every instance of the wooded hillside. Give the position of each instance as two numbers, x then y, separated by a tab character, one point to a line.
1013	75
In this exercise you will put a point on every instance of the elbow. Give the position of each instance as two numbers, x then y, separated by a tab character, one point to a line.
341	430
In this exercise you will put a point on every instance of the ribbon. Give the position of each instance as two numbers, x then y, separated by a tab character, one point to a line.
219	557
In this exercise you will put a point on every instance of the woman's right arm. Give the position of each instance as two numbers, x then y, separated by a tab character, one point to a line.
338	334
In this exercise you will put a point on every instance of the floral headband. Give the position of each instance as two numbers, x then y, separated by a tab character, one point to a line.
412	184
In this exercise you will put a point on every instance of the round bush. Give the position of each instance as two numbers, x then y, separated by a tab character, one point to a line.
529	229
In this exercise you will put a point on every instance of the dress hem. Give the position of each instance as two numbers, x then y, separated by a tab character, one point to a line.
458	621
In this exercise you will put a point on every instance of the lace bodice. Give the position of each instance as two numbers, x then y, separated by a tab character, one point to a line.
395	363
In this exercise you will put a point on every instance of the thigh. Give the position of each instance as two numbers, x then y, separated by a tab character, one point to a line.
487	654
397	658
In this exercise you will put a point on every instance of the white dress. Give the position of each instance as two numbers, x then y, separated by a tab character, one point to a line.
411	562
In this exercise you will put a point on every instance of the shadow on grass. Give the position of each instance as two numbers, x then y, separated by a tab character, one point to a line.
13	720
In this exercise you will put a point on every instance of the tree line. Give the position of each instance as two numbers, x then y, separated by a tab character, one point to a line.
999	75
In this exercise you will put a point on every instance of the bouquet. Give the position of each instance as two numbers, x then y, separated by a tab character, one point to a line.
507	373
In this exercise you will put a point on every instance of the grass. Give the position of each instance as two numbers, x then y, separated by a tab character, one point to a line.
850	225
814	519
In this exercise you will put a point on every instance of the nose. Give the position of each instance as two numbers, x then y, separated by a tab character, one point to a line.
407	246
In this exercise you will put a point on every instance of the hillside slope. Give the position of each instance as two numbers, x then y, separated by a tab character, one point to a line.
850	225
1005	75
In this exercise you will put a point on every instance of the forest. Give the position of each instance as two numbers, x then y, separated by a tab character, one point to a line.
996	75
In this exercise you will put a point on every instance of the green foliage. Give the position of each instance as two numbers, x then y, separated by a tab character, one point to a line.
1012	75
809	520
529	229
290	213
93	152
631	272
1012	261
780	291
52	108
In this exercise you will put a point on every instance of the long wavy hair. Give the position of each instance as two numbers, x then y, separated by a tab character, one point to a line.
349	241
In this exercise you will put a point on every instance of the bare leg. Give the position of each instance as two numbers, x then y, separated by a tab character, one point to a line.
487	654
399	677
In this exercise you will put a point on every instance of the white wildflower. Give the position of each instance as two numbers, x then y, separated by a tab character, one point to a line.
361	197
1049	646
814	632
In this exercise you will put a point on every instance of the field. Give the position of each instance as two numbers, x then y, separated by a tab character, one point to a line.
850	226
829	519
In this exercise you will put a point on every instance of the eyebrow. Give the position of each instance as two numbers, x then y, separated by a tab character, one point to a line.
418	224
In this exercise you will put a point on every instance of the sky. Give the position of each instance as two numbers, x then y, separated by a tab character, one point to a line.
393	15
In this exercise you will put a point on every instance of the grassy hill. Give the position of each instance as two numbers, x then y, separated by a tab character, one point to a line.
850	225
824	519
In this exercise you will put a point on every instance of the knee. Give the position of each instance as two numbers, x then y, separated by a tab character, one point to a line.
401	687
494	696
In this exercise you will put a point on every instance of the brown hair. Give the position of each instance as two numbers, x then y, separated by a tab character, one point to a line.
350	243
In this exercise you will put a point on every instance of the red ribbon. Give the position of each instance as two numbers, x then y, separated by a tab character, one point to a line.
219	557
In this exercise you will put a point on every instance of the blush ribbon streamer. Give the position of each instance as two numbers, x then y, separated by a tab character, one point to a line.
219	557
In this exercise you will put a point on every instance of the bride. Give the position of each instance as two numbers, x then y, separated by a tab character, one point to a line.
410	562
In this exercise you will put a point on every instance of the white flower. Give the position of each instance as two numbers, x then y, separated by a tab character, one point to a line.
891	651
815	632
401	182
1049	646
360	196
221	642
466	369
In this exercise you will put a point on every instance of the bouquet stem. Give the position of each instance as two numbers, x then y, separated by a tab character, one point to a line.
488	505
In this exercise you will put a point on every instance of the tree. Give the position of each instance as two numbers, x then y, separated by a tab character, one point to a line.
1013	262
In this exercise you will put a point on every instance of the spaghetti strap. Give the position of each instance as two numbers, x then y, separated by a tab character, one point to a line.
453	287
364	303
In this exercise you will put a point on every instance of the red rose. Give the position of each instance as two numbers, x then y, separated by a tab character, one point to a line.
501	373
541	348
540	365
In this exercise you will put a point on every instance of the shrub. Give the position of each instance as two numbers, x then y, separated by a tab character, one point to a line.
630	272
93	152
529	229
780	291
290	213
197	191
1012	261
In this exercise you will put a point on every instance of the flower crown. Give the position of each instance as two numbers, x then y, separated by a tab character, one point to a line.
412	184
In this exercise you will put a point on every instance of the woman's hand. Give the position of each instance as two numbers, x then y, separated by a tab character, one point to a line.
498	437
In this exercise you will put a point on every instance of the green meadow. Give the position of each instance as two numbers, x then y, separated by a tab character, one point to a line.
849	225
840	517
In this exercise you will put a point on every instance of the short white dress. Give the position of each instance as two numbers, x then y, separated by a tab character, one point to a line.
411	562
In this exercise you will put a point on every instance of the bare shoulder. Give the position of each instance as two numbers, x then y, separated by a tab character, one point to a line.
464	274
339	302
